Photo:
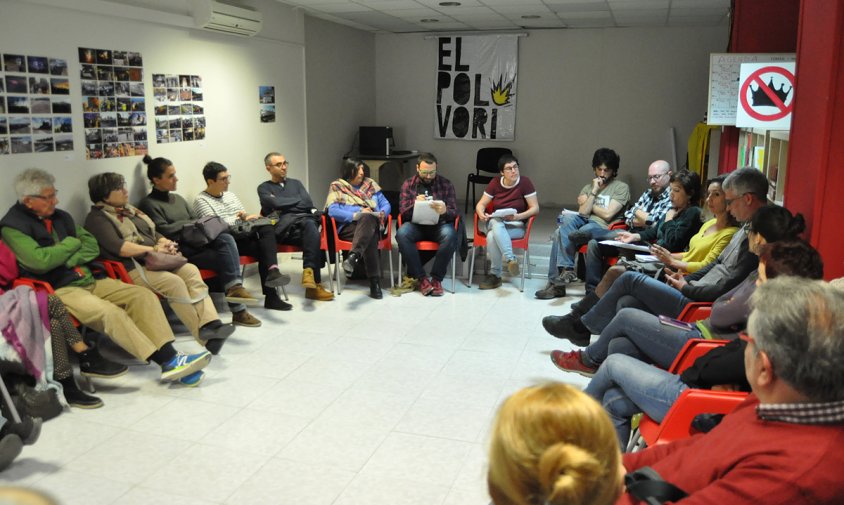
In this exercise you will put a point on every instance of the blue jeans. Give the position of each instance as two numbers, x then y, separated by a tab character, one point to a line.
562	250
499	241
626	386
222	256
640	291
444	234
596	254
636	333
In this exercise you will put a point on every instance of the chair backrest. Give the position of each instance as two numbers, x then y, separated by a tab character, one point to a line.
487	158
692	350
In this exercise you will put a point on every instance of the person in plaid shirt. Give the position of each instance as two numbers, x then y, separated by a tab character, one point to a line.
427	185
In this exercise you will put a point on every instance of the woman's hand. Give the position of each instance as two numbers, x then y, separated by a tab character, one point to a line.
511	217
675	280
663	254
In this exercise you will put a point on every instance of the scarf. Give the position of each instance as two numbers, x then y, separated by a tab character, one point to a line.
340	191
125	227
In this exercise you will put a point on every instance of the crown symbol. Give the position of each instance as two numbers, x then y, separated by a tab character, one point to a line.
760	98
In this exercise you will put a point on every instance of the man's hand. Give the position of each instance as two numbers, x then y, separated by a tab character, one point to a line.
640	218
597	183
439	206
627	237
421	198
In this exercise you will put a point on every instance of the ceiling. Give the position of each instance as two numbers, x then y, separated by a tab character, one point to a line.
405	16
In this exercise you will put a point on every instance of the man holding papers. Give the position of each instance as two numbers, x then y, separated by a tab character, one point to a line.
511	200
427	191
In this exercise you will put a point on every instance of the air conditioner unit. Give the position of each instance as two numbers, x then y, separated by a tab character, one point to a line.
220	17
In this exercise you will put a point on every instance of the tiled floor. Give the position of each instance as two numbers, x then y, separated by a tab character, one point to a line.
354	401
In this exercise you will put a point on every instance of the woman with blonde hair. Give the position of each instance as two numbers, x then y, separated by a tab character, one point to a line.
553	445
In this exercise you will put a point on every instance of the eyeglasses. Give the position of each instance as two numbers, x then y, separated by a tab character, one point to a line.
747	338
652	178
603	169
427	173
48	198
511	168
225	179
729	201
280	164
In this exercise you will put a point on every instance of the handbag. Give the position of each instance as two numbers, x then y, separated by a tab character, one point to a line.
156	261
203	231
651	269
246	228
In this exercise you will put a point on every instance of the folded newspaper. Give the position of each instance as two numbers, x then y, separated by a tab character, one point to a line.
623	245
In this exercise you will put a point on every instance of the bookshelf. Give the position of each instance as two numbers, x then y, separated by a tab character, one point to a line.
766	150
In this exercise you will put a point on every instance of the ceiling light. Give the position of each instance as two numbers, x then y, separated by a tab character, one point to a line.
450	4
531	16
429	20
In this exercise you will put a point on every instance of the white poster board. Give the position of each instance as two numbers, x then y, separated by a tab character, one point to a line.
724	69
766	96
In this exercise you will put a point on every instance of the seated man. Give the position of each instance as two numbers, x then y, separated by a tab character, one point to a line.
259	242
298	223
427	185
600	202
785	443
50	247
643	217
170	213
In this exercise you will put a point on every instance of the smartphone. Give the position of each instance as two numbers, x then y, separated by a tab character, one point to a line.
676	323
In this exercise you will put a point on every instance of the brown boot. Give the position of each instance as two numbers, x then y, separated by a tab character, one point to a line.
244	318
319	293
238	294
308	279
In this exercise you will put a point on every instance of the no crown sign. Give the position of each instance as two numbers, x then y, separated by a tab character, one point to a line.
766	95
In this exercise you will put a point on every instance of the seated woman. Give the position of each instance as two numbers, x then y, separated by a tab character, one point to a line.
770	224
63	335
510	191
626	385
126	234
712	237
360	210
553	445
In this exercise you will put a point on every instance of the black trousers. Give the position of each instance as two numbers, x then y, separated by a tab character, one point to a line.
260	244
364	235
306	237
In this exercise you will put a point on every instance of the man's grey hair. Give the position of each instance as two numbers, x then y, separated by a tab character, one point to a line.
33	181
747	180
799	324
268	156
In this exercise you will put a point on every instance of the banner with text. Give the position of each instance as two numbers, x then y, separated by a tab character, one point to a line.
476	87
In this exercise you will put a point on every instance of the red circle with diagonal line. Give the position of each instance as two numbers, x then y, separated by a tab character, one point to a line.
782	109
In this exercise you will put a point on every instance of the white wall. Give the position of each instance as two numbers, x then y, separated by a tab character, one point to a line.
341	96
231	67
578	90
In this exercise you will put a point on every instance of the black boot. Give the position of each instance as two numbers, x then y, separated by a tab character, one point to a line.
350	262
10	447
375	288
29	429
584	305
569	328
77	398
93	364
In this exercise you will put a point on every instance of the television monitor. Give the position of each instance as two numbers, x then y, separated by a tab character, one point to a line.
375	140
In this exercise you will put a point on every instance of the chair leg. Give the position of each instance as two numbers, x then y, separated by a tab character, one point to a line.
328	265
390	258
337	273
471	268
524	267
454	273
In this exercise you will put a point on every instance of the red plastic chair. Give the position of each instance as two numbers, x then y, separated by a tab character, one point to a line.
479	240
430	245
386	243
695	311
612	260
677	423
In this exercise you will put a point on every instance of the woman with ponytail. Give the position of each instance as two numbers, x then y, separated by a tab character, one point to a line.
553	445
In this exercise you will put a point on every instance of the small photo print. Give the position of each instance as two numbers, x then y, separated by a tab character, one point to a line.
41	105
121	89
91	120
58	67
105	88
87	55
187	134
64	142
17	104
199	121
37	65
119	58
172	94
44	144
137	119
62	124
122	119
94	151
184	81
135	59
42	125
195	81
61	106
160	95
107	104
90	88
185	95
162	136
124	135
266	94
60	86
16	84
20	125
171	81
124	104
39	86
198	109
136	88
174	110
139	133
2	105
104	57
108	120
141	148
268	113
110	135
88	72
4	146
174	123
93	136
136	74
13	63
160	110
158	81
121	73
2	86
21	145
187	108
4	126
138	104
105	73
196	94
175	135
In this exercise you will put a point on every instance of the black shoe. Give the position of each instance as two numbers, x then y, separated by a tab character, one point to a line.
215	330
350	262
276	303
585	304
375	288
79	399
276	279
29	429
579	238
491	282
569	328
10	447
551	291
93	364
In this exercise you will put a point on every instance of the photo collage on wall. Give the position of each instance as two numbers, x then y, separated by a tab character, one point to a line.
34	105
266	97
179	108
113	103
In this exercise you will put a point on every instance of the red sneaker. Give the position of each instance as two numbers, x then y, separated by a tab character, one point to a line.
425	286
437	287
571	362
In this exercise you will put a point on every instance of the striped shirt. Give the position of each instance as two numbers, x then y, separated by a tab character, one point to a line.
655	208
802	413
226	206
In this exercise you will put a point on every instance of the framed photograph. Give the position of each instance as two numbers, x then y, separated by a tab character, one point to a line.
14	63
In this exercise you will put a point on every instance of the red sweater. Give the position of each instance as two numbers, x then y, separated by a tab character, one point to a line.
749	461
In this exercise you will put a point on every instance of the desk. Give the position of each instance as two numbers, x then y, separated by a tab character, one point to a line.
375	162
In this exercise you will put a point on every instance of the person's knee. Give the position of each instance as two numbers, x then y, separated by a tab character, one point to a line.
448	236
